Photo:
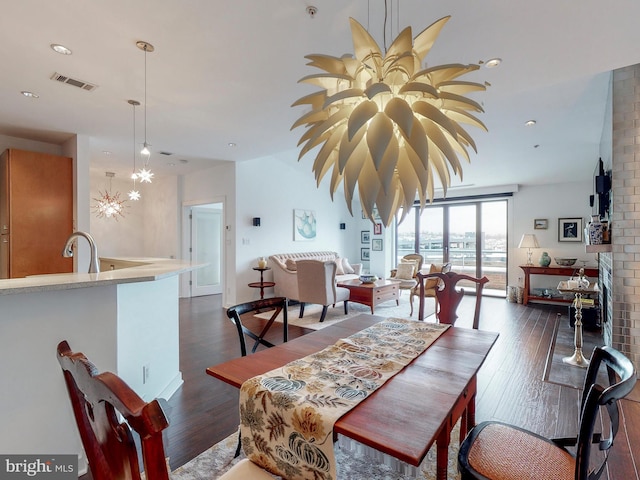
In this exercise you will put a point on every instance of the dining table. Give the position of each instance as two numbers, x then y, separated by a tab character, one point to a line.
414	409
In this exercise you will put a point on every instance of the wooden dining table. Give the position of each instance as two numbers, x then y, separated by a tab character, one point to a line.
412	410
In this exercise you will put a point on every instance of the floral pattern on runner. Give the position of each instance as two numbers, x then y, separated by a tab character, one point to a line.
287	415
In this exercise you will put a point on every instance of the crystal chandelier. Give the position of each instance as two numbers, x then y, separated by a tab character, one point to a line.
109	205
133	193
145	175
385	124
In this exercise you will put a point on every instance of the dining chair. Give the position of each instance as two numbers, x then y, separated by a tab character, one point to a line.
317	284
278	304
449	297
429	288
498	450
405	272
106	410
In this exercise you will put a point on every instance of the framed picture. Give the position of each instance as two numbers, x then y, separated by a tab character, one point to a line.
570	229
365	237
364	254
376	244
304	225
540	224
377	229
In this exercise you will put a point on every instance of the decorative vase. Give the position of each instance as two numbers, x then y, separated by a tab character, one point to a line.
595	230
262	262
545	260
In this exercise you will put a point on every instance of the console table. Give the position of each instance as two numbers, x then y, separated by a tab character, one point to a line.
566	272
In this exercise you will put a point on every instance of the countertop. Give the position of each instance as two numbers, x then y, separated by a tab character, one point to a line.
150	269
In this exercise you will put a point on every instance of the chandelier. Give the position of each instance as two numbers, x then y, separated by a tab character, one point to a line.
145	175
385	124
109	205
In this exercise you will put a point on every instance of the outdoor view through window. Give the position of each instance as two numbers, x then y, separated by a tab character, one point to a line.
472	237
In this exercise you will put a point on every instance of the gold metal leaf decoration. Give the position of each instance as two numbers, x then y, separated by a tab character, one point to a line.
385	125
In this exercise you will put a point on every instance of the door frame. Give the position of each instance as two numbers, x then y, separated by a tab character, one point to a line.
185	288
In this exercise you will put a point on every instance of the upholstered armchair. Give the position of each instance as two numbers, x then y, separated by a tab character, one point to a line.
317	284
406	271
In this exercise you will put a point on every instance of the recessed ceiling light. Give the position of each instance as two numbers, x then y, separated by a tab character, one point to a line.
30	94
61	49
106	152
494	62
171	164
231	144
530	123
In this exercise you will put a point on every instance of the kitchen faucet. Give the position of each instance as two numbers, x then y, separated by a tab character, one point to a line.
67	251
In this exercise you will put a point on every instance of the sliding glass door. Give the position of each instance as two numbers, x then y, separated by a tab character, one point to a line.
472	236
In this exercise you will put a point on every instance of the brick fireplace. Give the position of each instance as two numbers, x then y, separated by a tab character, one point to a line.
620	269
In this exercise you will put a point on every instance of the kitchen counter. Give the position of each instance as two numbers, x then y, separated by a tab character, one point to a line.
145	270
125	320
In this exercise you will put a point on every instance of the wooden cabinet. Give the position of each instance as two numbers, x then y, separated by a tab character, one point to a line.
566	272
36	213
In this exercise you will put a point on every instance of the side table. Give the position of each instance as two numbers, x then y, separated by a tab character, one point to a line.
262	284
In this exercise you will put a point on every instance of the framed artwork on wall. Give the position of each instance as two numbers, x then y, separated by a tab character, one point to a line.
376	245
364	254
570	229
377	229
304	225
540	224
365	237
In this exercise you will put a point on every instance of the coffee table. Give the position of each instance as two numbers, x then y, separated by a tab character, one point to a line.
372	294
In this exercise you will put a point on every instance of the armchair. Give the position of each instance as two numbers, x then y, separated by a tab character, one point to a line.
406	271
317	284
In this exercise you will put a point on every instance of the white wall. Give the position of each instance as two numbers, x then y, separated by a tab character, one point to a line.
271	188
552	201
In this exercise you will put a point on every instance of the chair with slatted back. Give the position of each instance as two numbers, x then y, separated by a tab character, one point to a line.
449	297
500	451
276	305
100	401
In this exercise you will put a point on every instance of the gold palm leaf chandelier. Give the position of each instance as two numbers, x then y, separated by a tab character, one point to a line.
386	124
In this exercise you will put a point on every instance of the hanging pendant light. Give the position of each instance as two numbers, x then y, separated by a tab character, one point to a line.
145	175
385	124
133	193
109	204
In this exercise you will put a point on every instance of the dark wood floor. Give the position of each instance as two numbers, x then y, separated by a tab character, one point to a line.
510	385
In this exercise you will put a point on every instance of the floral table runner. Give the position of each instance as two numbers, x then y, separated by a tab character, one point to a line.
287	415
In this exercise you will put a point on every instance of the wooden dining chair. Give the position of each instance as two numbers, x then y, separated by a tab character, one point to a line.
427	289
106	410
449	297
276	305
497	450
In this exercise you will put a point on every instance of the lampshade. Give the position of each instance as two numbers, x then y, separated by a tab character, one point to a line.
386	124
528	240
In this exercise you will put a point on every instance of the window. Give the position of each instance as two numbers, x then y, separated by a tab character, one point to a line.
471	235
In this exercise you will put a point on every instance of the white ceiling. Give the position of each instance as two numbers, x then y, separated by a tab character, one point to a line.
227	71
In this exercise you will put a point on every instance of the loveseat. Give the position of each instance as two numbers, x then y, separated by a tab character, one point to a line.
286	278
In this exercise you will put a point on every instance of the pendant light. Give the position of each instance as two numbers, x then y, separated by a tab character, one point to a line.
145	175
385	125
133	193
109	205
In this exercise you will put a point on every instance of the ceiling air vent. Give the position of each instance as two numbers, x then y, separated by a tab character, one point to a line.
73	81
166	153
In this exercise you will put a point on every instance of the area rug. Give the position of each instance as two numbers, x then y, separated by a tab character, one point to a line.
355	462
311	319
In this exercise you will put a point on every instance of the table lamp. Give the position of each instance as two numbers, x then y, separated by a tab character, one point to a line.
529	241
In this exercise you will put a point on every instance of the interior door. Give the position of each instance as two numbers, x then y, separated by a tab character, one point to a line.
206	247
